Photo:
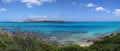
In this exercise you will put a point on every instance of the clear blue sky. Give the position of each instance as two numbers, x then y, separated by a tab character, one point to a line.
70	10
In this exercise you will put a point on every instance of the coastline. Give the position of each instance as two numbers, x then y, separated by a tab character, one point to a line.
52	40
87	43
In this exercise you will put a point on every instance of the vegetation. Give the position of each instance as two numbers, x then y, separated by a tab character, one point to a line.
10	42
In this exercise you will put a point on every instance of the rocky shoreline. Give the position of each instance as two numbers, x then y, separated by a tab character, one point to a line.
85	43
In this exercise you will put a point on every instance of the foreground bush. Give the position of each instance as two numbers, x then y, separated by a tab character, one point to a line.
108	43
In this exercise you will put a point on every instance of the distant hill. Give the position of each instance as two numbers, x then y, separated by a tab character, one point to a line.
43	20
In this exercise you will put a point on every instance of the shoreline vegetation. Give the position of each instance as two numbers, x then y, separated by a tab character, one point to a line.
31	42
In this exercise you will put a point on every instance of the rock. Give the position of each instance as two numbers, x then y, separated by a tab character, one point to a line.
52	38
91	40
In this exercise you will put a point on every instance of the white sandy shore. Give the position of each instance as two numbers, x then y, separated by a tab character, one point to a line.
86	44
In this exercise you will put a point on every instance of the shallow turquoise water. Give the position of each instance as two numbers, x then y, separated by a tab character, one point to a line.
67	31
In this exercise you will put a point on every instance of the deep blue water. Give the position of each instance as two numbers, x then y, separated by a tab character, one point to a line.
72	31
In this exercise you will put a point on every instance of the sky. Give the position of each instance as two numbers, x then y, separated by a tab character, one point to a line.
67	10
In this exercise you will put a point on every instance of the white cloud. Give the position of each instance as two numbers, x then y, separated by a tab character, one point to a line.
90	5
116	12
30	3
44	16
100	9
3	9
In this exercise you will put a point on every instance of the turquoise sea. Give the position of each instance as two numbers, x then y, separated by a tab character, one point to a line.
77	32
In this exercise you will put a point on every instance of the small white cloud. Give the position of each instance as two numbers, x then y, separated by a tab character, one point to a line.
74	3
30	3
44	16
90	5
100	9
116	12
3	9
